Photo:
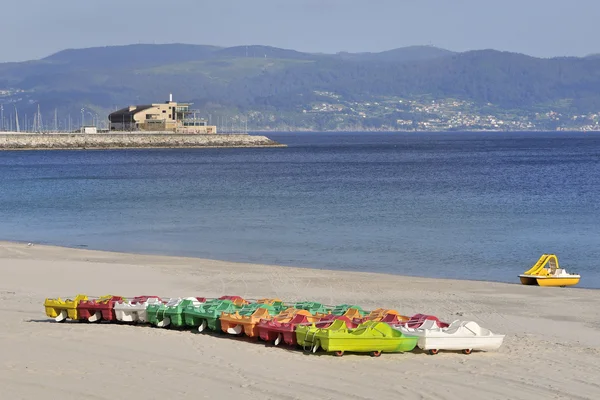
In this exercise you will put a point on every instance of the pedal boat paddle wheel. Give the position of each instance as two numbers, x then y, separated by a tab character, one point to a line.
547	272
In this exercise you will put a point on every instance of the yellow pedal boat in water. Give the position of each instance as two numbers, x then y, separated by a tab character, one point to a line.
547	272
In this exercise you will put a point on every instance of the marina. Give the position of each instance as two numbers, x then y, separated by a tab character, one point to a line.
158	125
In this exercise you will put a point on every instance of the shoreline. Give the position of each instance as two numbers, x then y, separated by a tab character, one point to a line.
167	257
553	330
158	259
296	267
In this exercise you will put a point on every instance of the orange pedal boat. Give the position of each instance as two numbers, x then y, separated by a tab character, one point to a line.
246	319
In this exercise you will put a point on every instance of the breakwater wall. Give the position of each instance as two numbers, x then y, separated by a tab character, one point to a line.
118	140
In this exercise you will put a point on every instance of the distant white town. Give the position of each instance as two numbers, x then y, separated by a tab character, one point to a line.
332	112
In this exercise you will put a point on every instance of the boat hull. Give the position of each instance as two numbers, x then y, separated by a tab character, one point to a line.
526	280
558	281
367	344
483	343
549	281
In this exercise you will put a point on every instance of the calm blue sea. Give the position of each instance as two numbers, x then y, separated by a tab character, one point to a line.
478	206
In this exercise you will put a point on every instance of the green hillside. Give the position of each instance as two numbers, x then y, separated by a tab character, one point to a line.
417	87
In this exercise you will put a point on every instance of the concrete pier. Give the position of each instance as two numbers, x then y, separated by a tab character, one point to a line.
121	140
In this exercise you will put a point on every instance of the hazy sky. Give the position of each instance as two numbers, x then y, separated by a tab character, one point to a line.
32	29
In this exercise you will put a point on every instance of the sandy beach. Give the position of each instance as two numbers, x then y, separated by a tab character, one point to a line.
551	350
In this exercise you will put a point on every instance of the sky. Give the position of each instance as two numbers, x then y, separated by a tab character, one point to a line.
33	29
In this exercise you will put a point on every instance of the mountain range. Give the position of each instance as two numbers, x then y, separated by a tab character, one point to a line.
285	89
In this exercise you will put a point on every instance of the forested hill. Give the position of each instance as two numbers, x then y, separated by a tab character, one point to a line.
286	89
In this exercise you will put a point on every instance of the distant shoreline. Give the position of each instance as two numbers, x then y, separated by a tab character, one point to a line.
267	131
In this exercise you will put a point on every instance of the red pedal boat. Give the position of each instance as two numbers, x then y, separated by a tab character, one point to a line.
99	309
327	320
275	330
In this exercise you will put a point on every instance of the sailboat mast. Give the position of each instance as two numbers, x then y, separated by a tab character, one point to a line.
17	119
39	120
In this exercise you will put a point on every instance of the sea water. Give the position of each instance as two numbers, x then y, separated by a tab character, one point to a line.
480	206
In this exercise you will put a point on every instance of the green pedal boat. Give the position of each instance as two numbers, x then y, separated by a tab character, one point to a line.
369	337
175	314
206	316
170	313
351	311
312	307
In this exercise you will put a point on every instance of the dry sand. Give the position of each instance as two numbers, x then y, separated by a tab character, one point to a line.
551	350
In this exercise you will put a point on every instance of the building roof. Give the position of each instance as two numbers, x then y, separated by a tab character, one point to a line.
126	114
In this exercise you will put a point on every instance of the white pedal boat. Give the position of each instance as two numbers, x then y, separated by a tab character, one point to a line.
460	335
135	310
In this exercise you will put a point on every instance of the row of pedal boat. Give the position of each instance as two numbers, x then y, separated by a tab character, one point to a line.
309	325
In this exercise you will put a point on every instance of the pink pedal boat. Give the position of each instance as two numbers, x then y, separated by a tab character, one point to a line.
417	320
327	320
388	316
